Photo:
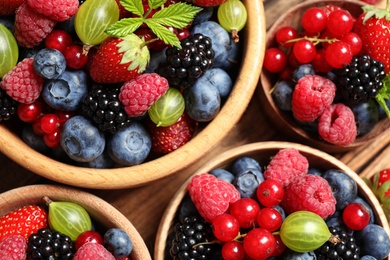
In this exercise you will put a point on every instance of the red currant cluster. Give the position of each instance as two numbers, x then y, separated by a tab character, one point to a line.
260	216
45	122
327	42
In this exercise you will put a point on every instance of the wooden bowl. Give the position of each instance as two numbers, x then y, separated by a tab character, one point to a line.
101	212
262	152
284	122
208	137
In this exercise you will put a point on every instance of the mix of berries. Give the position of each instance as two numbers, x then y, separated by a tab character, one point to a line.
156	82
59	230
331	72
305	213
380	185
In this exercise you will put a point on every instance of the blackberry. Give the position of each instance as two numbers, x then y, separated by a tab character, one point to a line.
103	107
49	244
189	231
184	66
8	106
361	80
341	246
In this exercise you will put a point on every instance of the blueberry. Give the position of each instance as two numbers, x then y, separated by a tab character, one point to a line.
220	39
366	116
282	95
8	22
337	222
203	15
187	207
303	70
281	211
218	78
81	140
33	140
49	63
103	161
202	101
343	187
248	176
373	240
223	174
67	91
367	257
118	242
368	207
315	171
291	255
156	57
130	146
234	57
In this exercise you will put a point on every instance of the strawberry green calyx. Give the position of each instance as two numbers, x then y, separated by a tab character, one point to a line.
373	11
177	15
134	52
380	192
384	94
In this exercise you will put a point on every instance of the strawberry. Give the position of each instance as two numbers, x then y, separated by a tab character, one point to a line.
23	221
380	186
206	3
8	7
170	138
119	59
373	28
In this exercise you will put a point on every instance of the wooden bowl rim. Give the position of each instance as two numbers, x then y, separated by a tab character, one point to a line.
125	177
229	155
99	210
283	121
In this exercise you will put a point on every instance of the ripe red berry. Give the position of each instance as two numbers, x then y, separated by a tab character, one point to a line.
49	123
340	22
52	139
304	51
233	250
274	60
270	192
270	219
285	34
338	54
259	243
29	112
89	236
354	41
245	210
314	20
75	56
59	40
225	227
280	246
356	216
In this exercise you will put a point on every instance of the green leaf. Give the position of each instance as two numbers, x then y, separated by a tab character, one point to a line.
153	4
177	15
134	6
124	27
383	189
384	94
163	33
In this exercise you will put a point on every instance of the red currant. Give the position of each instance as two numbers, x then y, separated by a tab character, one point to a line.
356	216
233	250
52	139
75	56
36	125
275	60
245	210
354	41
304	51
338	54
280	246
259	243
63	116
49	123
59	40
314	20
89	236
270	192
340	22
225	227
285	34
29	112
319	62
270	219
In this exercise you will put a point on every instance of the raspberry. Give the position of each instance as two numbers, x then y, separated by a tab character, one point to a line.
287	164
93	251
310	192
337	125
311	96
211	196
31	28
137	95
9	7
13	247
22	83
57	10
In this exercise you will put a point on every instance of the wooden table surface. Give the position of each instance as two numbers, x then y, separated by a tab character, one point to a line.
144	206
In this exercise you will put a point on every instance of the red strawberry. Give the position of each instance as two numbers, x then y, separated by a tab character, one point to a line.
13	248
119	59
206	3
8	7
170	138
23	221
379	179
373	28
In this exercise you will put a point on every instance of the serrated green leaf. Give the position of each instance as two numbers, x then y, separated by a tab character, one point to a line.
156	3
163	33
176	15
384	94
384	188
124	27
134	6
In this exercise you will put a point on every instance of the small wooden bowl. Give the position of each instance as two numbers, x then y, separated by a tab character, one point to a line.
262	152
285	123
101	212
208	137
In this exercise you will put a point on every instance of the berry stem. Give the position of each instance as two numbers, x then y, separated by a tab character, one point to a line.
315	40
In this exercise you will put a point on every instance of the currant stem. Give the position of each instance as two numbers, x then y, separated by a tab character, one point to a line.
314	40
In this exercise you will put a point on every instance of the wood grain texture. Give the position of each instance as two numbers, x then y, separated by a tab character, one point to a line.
144	205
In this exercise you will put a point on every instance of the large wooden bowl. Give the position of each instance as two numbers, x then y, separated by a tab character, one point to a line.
285	123
208	137
101	212
262	152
